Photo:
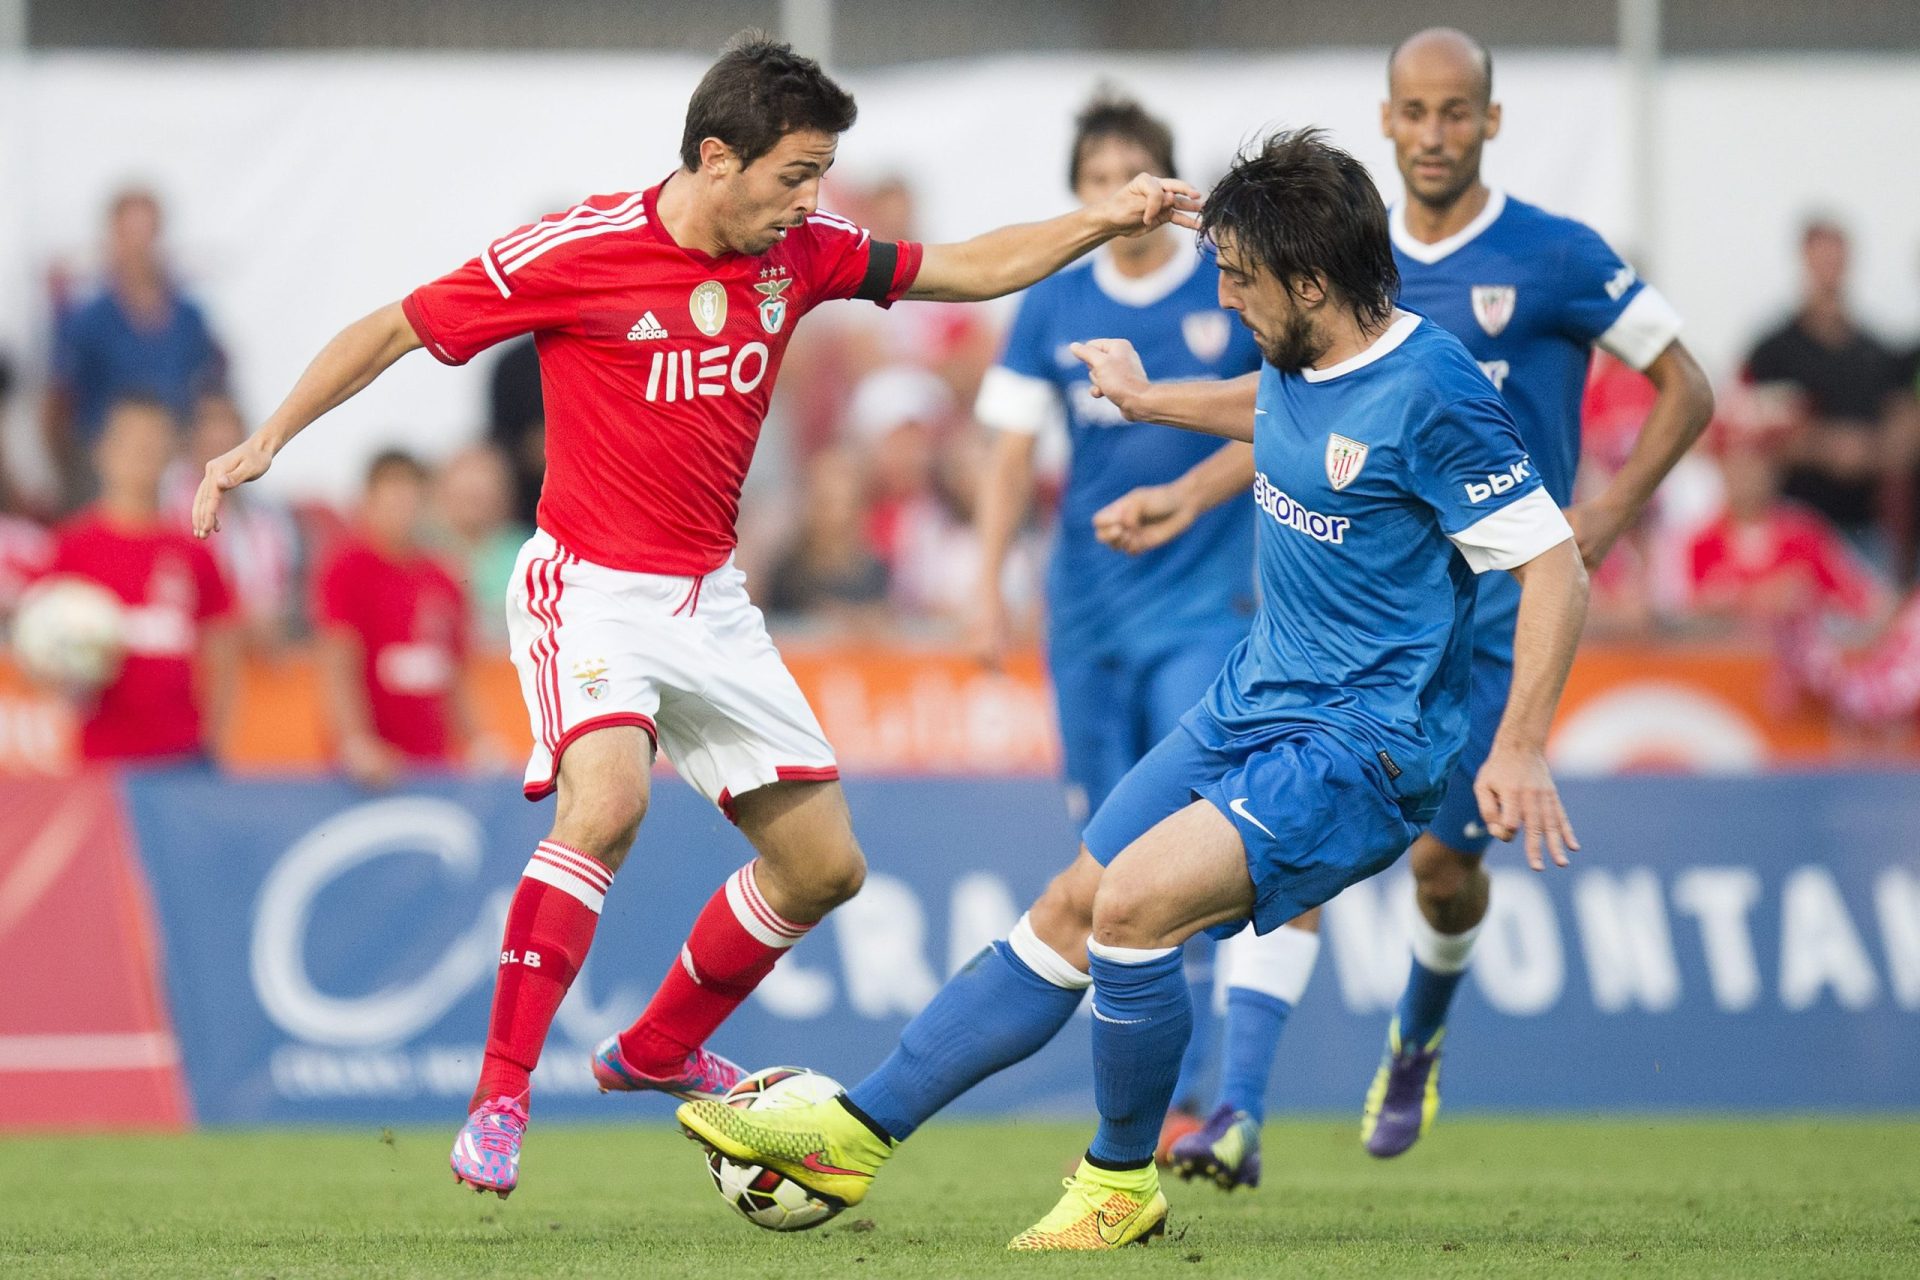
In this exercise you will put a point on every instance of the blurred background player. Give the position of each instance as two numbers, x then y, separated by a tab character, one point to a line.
139	335
392	626
170	700
1132	642
661	316
1529	294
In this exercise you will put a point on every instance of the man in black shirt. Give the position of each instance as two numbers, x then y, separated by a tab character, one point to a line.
1853	457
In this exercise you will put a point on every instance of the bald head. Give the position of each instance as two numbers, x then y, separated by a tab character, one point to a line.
1443	53
1439	112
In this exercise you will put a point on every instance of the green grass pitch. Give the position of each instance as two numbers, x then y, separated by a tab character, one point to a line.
1838	1197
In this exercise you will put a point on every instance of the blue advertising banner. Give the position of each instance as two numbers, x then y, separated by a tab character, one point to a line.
1721	943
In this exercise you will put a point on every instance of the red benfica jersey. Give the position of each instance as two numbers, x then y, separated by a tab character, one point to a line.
172	589
656	362
410	617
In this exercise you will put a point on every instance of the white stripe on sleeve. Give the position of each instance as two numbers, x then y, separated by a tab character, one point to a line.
1019	402
1514	534
1645	329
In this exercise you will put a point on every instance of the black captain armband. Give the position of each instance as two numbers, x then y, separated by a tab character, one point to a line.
883	259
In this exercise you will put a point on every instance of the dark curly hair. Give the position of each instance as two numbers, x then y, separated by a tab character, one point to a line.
758	92
1299	206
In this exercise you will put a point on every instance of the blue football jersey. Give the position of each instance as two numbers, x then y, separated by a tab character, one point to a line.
1384	484
1098	598
1530	294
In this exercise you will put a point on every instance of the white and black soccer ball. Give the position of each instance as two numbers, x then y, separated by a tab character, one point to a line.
70	632
766	1197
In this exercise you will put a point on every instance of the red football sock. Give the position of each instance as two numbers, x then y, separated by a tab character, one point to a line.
734	944
549	928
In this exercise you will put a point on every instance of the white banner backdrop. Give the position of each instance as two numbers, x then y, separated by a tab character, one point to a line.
305	190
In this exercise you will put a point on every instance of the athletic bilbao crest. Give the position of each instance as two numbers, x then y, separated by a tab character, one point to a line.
1344	459
1206	333
1493	306
773	303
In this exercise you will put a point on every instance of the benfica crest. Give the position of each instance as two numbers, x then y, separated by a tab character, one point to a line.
1344	459
1493	306
773	306
1206	333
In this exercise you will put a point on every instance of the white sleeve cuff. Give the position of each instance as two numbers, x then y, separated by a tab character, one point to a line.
1018	402
1645	329
1514	534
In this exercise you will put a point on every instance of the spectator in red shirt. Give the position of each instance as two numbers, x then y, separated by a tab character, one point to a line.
392	626
171	698
1766	559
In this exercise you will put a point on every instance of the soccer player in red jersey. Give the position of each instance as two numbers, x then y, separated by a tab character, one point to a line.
661	316
171	695
393	639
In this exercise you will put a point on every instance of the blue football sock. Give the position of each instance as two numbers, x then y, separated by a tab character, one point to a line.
990	1015
1190	1089
1142	1018
1423	1006
1254	1023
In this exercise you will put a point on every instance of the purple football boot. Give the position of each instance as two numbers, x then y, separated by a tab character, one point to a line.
1226	1150
1405	1095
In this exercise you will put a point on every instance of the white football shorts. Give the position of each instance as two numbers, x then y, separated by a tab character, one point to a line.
687	659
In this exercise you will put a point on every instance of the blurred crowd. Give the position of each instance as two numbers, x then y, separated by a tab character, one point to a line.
1796	525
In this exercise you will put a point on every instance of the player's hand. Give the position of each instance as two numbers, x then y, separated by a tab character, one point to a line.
246	461
1148	517
1148	202
1115	371
989	629
1515	790
1596	527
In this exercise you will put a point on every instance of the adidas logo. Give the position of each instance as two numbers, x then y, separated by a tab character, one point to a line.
646	329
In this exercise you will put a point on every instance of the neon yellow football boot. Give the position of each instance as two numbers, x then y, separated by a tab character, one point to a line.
1102	1209
821	1145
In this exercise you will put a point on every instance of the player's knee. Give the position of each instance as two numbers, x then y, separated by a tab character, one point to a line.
602	819
840	875
1062	916
1441	874
1127	913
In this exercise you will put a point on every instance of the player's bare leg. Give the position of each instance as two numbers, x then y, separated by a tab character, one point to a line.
1451	889
808	864
604	782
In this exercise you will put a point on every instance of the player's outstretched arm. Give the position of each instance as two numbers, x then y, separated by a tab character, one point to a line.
1154	515
1011	258
1209	407
1683	406
356	356
1515	788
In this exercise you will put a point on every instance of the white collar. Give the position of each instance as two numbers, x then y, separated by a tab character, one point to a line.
1421	251
1144	291
1404	323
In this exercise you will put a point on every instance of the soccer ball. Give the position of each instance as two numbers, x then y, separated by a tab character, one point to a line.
765	1197
70	632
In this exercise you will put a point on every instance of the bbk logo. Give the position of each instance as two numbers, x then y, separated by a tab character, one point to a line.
682	375
531	959
1499	482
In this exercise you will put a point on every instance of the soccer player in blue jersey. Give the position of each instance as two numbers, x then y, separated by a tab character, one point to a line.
1132	641
1529	294
1325	743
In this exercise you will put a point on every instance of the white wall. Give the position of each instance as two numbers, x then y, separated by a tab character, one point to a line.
305	190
